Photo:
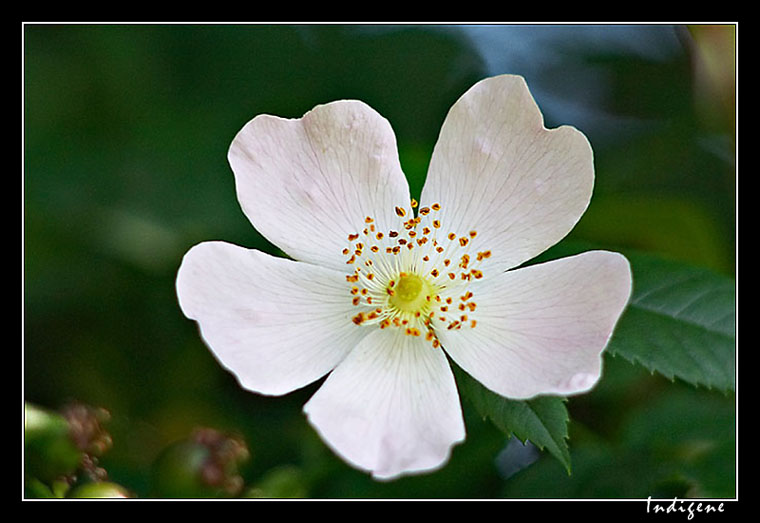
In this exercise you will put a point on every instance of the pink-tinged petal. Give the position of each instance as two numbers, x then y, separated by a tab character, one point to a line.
391	407
277	324
541	329
306	184
497	170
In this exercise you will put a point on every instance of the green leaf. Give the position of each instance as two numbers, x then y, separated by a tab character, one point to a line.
542	420
680	322
676	442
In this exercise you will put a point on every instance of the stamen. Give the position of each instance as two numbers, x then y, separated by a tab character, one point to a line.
405	288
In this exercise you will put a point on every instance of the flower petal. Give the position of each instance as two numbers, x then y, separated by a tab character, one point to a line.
541	329
307	184
497	170
277	324
391	407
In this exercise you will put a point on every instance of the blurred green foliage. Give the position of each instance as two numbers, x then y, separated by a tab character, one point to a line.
126	130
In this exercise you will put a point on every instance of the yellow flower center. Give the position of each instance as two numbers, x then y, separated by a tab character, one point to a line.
416	278
410	293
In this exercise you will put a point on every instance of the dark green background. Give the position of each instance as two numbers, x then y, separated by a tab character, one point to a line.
126	130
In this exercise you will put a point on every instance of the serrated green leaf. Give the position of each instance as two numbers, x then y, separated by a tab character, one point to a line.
542	420
680	323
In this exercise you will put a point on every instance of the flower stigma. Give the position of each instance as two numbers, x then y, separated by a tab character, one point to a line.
415	277
410	294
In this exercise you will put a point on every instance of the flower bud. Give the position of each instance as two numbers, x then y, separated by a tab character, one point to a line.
205	465
99	489
49	450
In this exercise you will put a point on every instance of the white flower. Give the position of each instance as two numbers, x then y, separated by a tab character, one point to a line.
383	289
